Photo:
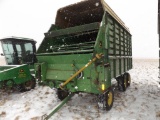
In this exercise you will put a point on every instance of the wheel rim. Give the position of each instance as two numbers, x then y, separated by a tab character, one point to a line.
110	98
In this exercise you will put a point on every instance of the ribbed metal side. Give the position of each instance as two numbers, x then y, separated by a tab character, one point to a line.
159	32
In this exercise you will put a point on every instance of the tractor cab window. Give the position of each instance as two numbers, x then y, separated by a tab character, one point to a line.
28	47
29	55
9	53
19	50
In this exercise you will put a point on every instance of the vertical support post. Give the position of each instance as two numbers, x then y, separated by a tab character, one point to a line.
159	32
120	49
114	47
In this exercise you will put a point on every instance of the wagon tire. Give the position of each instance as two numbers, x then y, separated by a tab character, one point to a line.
62	94
128	79
30	84
109	99
124	82
120	81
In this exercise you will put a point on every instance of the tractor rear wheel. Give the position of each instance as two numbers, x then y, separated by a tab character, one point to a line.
109	98
62	94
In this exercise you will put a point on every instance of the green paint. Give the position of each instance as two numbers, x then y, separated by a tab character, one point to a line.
18	74
20	57
71	44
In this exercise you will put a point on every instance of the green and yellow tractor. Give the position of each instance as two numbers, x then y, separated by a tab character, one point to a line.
19	55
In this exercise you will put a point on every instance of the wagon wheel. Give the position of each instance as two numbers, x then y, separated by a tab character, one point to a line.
124	82
62	93
120	83
128	79
109	98
28	85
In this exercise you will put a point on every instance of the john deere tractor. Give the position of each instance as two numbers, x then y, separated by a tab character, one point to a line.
19	55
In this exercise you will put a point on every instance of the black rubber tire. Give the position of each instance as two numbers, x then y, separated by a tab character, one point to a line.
30	84
128	79
109	99
20	88
62	94
120	83
124	82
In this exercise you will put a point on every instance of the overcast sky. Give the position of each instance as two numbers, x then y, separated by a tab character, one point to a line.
32	18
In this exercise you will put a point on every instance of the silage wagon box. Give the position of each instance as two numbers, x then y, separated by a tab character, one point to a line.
84	50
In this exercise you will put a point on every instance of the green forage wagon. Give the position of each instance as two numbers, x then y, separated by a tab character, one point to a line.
86	47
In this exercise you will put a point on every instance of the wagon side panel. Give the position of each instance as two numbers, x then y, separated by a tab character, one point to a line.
119	48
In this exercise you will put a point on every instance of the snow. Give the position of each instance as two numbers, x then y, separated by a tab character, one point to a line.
97	4
139	102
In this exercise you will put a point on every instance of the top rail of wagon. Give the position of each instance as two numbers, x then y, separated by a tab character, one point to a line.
113	14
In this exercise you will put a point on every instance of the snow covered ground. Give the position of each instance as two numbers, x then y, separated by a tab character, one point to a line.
141	101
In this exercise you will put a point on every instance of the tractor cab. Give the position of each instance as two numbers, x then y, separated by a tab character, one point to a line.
18	51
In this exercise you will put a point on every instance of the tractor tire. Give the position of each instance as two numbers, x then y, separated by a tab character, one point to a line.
30	84
20	88
62	94
109	99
